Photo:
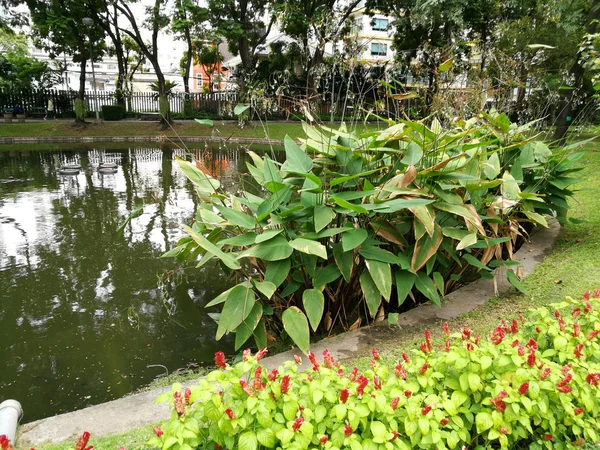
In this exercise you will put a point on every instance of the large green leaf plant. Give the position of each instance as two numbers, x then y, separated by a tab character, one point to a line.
349	226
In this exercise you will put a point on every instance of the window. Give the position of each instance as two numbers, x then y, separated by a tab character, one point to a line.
357	25
378	49
199	80
379	24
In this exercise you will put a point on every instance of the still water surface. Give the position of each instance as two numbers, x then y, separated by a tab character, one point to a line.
84	317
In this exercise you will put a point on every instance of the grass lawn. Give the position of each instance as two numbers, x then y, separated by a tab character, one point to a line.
137	128
571	269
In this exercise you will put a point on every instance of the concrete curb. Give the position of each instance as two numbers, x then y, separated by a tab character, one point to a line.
84	139
119	416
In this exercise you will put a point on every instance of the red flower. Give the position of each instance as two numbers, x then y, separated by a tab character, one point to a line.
547	437
353	374
447	346
514	343
218	447
258	382
246	387
261	354
470	346
565	369
178	404
577	351
400	372
514	328
375	354
561	323
220	360
347	430
592	335
498	401
477	340
423	369
426	410
596	293
344	393
373	363
394	403
545	373
521	350
578	411
576	312
324	439
532	345
424	347
328	360
592	379
395	436
313	360
297	359
340	373
273	375
230	413
562	385
503	430
531	358
297	424
285	384
407	393
588	308
186	395
576	329
446	329
5	443
428	340
246	354
83	440
377	382
158	432
362	384
466	334
497	335
523	388
586	296
405	357
444	421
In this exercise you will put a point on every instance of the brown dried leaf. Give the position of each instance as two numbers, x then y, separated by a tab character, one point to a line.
380	317
355	325
327	321
408	178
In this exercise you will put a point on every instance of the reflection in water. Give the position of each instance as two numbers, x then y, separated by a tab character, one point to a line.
82	315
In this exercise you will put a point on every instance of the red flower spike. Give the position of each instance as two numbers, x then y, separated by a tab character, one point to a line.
423	369
258	382
565	369
497	335
407	393
375	354
576	329
503	430
588	308
592	335
285	384
576	312
273	375
395	436
178	404
344	393
328	360
158	432
531	359
444	421
578	411
297	424
561	323
246	387
586	296
514	328
218	447
297	359
545	373
532	345
186	395
340	373
246	354
447	346
596	293
446	329
348	430
547	437
466	334
220	360
362	384
313	360
424	348
521	350
593	379
577	351
556	313
230	413
477	339
394	403
261	354
470	346
514	343
83	440
522	319
377	383
405	357
523	388
428	340
373	364
353	374
399	371
498	401
324	439
426	410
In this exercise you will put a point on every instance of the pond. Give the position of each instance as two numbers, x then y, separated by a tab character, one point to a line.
87	316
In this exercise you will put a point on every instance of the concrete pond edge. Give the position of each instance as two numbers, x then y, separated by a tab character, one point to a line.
158	139
127	413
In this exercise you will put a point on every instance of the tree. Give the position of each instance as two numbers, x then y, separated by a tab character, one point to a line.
210	58
242	23
134	59
315	23
187	24
59	29
156	20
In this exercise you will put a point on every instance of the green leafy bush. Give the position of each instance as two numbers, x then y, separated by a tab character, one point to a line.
80	110
113	112
355	223
533	382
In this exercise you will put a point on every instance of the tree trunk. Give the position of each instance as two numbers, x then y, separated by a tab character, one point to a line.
568	96
187	106
311	79
80	100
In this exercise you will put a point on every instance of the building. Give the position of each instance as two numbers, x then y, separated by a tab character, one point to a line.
199	79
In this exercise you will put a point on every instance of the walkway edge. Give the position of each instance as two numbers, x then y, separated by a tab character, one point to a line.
119	416
84	139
